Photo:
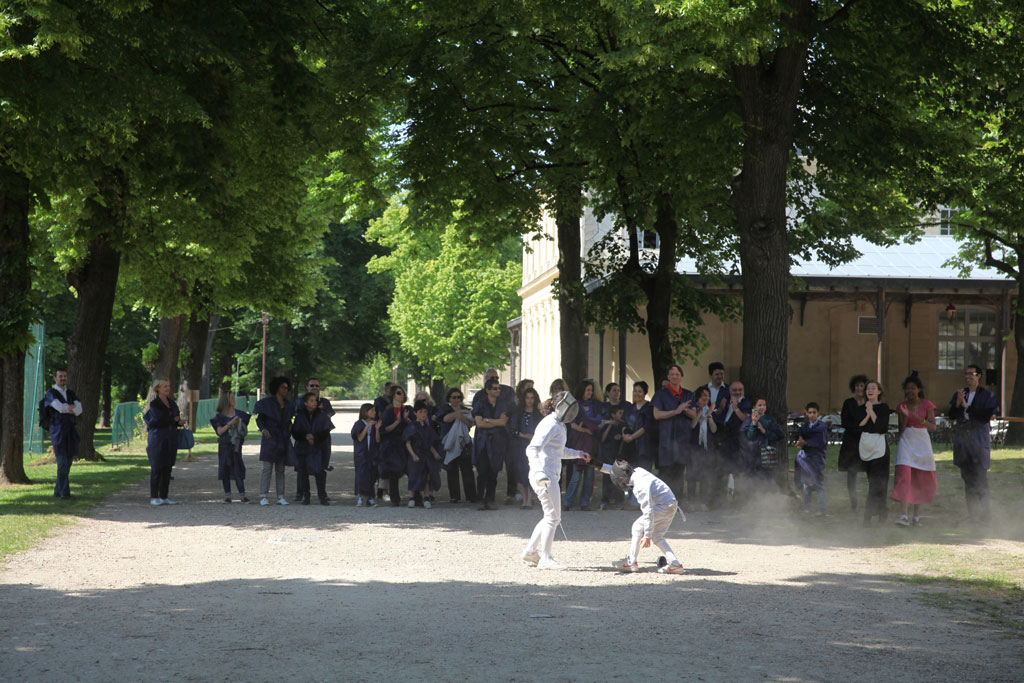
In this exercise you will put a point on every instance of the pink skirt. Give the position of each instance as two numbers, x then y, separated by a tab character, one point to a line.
914	486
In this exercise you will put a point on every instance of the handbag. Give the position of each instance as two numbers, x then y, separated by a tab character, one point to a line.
871	446
768	456
186	440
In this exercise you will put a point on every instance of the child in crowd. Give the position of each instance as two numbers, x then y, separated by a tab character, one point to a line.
612	447
422	443
312	427
657	510
364	446
812	440
231	426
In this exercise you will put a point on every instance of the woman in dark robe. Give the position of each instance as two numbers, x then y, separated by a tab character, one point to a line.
163	419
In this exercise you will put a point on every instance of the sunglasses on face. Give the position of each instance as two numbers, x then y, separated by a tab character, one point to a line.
455	398
313	386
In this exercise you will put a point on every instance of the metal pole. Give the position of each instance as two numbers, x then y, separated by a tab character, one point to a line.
263	374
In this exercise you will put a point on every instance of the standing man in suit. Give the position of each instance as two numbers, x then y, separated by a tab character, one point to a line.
64	409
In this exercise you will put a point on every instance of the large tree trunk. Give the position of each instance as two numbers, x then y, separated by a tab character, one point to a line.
226	369
195	341
1015	432
172	330
96	284
15	316
105	399
659	293
571	331
204	387
768	94
12	432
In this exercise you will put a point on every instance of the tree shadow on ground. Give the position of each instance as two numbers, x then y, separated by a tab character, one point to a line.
531	625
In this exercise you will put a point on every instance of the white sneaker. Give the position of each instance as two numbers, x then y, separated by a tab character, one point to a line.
168	501
281	500
427	504
903	521
412	502
359	502
530	558
917	521
675	568
156	501
548	563
371	503
624	565
264	501
387	498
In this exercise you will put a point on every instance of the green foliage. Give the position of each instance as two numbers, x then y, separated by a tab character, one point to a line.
454	294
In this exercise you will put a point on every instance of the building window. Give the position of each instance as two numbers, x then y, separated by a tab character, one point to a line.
947	217
648	239
971	337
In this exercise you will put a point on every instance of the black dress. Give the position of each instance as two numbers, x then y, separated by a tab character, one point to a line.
849	450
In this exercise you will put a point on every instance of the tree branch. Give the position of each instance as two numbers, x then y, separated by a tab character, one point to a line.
998	264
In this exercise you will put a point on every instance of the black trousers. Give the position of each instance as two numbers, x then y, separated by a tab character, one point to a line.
302	483
878	486
462	466
393	492
976	491
159	481
486	479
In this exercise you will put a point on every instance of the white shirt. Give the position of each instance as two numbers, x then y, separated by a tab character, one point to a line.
650	492
61	406
547	448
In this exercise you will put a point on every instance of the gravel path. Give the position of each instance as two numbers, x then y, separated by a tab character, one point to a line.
214	592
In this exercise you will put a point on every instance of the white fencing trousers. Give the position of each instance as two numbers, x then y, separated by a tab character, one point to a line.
544	533
661	518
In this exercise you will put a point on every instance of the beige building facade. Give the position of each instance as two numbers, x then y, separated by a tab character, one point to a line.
931	321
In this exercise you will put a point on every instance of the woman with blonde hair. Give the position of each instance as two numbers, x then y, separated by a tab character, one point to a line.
163	419
231	426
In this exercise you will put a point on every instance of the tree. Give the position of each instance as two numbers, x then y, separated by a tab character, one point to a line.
985	183
453	294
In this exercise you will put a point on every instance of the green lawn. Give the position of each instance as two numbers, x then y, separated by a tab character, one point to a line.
30	512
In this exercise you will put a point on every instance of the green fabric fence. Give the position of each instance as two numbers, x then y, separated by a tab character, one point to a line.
126	423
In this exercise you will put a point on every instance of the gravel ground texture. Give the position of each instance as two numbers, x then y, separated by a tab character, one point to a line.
207	591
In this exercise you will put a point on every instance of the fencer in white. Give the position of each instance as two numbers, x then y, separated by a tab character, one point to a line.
545	455
657	510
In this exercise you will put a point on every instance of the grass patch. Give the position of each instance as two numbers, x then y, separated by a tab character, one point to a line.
30	512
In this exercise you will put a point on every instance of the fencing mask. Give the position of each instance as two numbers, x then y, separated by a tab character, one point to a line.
621	472
566	407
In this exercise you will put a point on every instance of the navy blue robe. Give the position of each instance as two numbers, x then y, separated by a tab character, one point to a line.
324	405
643	447
972	437
307	456
277	420
63	434
733	448
491	443
673	432
162	443
422	437
363	453
229	457
522	423
392	446
811	459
